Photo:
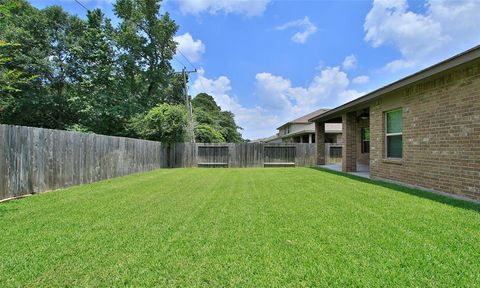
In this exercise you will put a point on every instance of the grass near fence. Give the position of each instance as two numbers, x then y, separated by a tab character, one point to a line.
239	227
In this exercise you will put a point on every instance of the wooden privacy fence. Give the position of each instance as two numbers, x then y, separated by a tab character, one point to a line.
333	153
238	155
34	160
216	156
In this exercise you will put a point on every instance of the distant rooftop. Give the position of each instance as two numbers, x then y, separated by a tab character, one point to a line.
266	139
304	118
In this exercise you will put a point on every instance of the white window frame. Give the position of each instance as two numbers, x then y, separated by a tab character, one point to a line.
392	134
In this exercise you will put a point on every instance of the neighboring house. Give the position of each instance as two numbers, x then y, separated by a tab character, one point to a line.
423	130
301	130
271	139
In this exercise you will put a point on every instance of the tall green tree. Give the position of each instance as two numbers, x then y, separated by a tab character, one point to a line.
63	34
16	26
46	39
145	39
105	109
207	112
10	79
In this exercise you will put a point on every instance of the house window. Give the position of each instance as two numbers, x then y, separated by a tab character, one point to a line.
365	140
393	135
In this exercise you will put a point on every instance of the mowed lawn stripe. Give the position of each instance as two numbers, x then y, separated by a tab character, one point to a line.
239	227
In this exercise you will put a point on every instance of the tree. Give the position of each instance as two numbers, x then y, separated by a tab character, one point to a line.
10	79
47	38
165	123
86	75
204	133
105	109
17	17
228	128
206	102
207	112
146	44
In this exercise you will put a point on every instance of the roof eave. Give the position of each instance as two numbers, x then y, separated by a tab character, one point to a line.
449	63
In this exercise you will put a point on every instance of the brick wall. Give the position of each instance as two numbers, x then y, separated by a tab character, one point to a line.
349	148
441	133
320	142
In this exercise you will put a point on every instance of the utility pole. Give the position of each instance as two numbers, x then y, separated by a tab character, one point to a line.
188	104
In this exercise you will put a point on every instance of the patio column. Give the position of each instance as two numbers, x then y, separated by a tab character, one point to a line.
320	141
349	147
309	138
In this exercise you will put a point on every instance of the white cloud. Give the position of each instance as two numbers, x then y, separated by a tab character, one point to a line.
329	88
361	79
248	7
255	121
219	88
277	99
192	49
300	37
350	62
447	27
274	92
400	64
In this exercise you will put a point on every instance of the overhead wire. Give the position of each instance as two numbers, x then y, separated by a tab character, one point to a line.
189	62
81	4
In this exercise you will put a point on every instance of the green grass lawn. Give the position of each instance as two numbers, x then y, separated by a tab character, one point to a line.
239	227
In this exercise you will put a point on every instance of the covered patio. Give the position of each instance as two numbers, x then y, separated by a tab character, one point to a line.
355	144
362	170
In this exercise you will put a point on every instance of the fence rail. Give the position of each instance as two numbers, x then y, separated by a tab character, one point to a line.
35	160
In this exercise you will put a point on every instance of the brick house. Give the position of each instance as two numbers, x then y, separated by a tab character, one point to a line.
423	130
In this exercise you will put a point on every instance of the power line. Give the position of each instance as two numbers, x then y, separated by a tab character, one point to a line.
193	66
81	4
179	62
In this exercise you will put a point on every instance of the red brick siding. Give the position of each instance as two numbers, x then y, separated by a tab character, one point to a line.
441	133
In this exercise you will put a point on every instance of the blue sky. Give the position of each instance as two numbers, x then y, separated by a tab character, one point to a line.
272	61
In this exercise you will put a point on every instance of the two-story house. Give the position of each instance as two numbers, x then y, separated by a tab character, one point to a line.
302	131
